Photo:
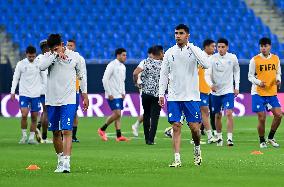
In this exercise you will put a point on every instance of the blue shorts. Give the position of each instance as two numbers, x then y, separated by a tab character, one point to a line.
190	109
204	99
61	117
263	103
222	102
32	103
116	104
42	99
77	100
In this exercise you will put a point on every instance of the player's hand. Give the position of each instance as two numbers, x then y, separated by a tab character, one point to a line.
213	88
62	55
13	97
162	101
110	97
236	92
85	101
123	96
262	84
278	82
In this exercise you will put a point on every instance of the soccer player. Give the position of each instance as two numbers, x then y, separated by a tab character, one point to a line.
150	92
265	76
114	85
63	65
42	138
209	49
223	72
138	84
27	74
71	45
179	73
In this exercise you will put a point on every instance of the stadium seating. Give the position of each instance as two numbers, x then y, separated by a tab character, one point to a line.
279	4
99	26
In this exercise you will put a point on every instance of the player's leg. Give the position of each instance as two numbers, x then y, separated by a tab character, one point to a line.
24	125
75	127
35	108
146	103
155	114
216	109
116	106
67	115
117	123
212	116
44	123
192	113
277	116
228	106
205	121
258	106
174	118
76	120
135	126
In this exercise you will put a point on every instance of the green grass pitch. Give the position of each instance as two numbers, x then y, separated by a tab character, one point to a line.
134	164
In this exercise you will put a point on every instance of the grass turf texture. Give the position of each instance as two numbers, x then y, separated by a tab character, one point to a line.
98	163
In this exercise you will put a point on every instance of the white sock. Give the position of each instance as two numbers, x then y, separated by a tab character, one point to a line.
32	135
24	132
136	124
219	135
215	132
209	134
197	149
59	156
177	157
230	136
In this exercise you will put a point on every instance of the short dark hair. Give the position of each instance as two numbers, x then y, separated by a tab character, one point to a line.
207	42
54	40
150	49
182	26
223	41
30	50
71	40
264	41
118	51
157	50
43	44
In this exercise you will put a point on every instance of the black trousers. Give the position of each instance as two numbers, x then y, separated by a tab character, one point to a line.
151	116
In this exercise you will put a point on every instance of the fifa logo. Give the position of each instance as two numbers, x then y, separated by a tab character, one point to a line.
267	67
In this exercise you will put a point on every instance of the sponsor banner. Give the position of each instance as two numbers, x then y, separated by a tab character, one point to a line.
132	106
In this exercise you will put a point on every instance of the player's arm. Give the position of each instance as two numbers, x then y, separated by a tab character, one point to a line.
84	71
136	72
251	74
209	76
164	80
278	75
236	73
106	79
16	78
201	58
123	86
80	72
47	60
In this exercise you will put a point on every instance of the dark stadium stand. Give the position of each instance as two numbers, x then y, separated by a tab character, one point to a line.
279	4
99	26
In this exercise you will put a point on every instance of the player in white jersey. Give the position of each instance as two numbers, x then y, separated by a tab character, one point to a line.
114	85
138	84
71	45
42	136
224	71
27	74
179	73
63	65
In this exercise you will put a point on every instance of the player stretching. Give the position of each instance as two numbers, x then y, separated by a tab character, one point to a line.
265	76
179	73
204	88
63	65
114	85
223	72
